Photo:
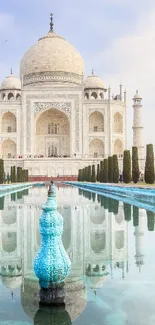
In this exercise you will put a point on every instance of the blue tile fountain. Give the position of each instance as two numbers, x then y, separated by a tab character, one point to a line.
52	264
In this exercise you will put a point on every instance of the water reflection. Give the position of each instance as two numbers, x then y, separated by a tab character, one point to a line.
55	316
98	237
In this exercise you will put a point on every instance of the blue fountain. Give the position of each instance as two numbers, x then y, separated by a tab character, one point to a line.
52	264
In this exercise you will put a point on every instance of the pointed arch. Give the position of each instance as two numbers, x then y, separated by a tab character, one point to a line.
118	147
9	242
98	241
118	123
18	96
8	122
53	134
9	149
96	148
96	122
10	96
93	95
119	239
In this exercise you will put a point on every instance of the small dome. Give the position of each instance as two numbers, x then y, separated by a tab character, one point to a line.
137	96
93	82
11	83
12	282
52	58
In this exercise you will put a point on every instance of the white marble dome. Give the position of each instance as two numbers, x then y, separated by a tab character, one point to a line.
93	82
11	83
52	58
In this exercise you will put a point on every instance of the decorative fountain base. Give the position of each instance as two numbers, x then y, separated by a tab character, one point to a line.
54	295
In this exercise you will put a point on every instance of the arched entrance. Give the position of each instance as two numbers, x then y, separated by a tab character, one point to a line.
53	134
118	148
96	122
9	242
96	148
8	122
118	123
9	149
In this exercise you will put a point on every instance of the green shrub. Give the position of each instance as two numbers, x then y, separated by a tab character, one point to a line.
150	220
127	211
1	171
135	216
135	165
115	169
101	170
89	173
110	169
93	175
105	171
98	172
126	167
149	164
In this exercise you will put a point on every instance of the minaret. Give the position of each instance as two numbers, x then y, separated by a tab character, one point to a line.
139	240
137	125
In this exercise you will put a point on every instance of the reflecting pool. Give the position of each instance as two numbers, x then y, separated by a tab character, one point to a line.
112	249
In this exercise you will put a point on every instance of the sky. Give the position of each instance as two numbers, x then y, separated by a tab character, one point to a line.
116	38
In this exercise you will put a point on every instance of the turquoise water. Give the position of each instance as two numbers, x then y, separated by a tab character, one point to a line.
112	249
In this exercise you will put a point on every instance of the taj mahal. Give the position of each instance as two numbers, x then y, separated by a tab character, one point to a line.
54	121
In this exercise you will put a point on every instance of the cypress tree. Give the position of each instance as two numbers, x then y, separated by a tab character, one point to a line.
89	173
150	220
115	206
127	211
2	203
8	178
78	178
23	175
27	175
101	170
18	174
98	172
82	175
135	165
14	174
115	169
85	174
105	171
80	191
135	216
110	207
11	177
93	175
110	169
126	167
13	197
106	203
1	171
93	196
149	164
19	195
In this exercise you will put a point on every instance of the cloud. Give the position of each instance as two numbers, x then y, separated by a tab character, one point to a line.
131	60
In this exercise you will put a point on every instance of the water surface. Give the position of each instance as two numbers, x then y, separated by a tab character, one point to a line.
112	249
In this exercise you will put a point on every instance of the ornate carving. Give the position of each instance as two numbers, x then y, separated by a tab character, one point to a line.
52	76
64	107
49	97
95	137
6	110
99	109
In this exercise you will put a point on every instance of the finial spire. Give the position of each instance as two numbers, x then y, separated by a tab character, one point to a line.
92	72
51	22
11	70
